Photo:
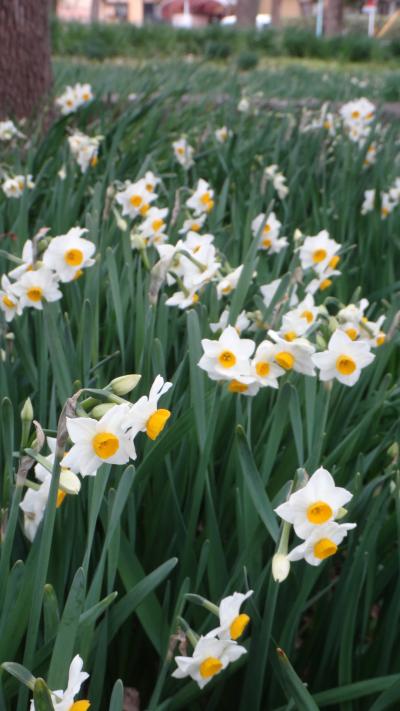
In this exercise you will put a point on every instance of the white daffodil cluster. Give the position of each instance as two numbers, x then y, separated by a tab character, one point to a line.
278	180
84	149
183	153
106	436
74	97
319	256
35	500
312	511
64	700
110	439
37	278
325	119
190	264
135	200
386	202
357	117
8	131
344	341
247	367
267	229
14	187
213	652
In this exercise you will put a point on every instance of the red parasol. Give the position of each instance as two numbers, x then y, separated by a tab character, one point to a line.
210	8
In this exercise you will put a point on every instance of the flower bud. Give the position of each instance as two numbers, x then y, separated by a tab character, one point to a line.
121	223
27	411
280	567
137	241
69	482
341	513
124	384
333	324
100	410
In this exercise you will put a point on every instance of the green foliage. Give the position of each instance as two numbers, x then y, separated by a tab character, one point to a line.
108	573
104	41
247	60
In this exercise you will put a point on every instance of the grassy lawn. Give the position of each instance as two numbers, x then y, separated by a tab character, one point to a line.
283	78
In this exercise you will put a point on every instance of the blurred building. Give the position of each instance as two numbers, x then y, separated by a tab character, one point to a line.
102	10
179	12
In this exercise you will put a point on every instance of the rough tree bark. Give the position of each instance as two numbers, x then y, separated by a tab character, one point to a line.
246	12
333	17
95	11
25	66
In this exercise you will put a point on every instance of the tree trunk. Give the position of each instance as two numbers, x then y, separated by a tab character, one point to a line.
25	67
333	17
246	12
95	11
276	13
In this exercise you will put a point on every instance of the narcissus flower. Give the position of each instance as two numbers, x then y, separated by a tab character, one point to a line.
183	299
8	131
294	355
153	226
35	500
344	359
387	205
97	442
369	201
319	252
307	310
14	187
194	224
293	326
210	657
241	324
278	180
37	286
318	502
267	230
228	357
64	700
248	386
145	416
353	312
9	303
222	134
84	149
324	279
202	200
73	98
135	199
264	367
232	623
183	153
229	282
151	181
358	111
322	543
68	254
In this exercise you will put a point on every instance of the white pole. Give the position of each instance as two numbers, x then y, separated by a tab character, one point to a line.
186	12
371	22
320	18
